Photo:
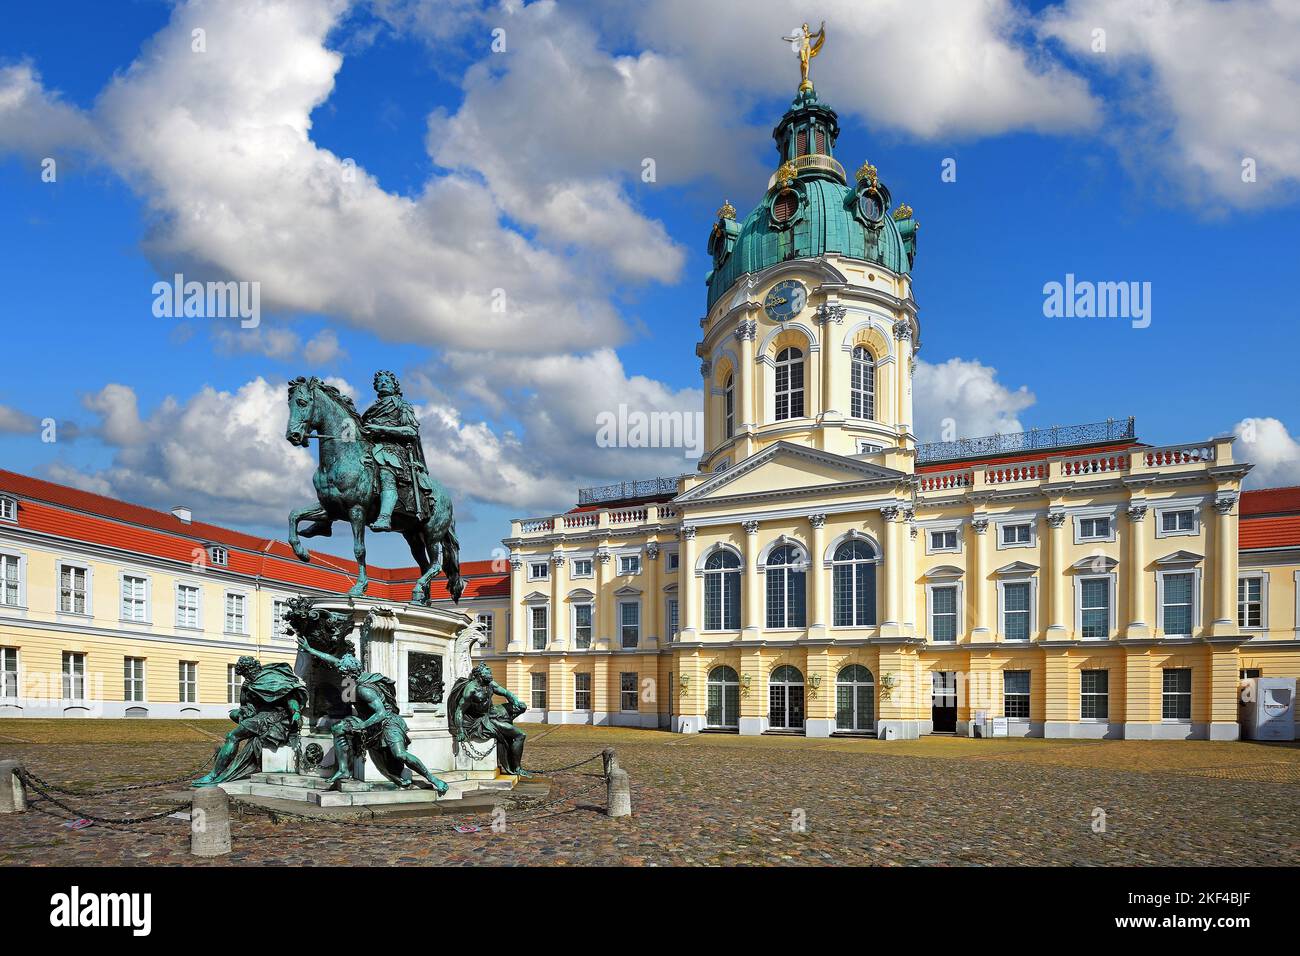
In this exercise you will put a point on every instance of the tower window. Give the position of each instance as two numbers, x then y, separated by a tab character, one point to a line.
862	384
729	402
789	384
802	140
785	205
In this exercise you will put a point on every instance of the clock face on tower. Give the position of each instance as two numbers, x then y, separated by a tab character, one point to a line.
786	300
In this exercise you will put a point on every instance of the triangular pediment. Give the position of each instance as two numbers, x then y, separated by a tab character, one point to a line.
785	467
1180	557
1017	567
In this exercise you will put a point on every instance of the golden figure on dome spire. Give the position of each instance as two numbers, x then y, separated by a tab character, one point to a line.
802	42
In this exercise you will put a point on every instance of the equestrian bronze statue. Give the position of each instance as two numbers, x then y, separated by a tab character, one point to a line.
372	472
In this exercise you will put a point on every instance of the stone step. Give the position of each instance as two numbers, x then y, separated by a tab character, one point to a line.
456	791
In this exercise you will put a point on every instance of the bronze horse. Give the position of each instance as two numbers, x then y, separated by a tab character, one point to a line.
347	489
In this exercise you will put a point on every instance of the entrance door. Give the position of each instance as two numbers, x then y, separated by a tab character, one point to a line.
943	701
785	699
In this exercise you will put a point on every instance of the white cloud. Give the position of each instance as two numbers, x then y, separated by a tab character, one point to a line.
36	122
16	422
962	398
1203	85
1267	444
280	343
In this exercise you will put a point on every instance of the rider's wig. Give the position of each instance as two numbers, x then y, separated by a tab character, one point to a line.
384	373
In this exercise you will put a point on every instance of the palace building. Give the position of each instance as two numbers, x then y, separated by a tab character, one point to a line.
822	573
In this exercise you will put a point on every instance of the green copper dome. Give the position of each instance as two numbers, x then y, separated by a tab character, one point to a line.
810	209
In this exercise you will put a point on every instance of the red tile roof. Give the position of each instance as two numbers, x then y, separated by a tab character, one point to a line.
1270	501
1270	518
77	515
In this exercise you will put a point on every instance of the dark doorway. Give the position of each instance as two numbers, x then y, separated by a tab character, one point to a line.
943	702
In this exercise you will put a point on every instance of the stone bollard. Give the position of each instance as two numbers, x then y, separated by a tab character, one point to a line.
209	822
619	788
610	759
13	796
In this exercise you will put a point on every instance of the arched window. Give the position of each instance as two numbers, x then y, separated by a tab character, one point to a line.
853	584
729	405
786	588
789	384
855	699
862	384
724	698
785	699
722	592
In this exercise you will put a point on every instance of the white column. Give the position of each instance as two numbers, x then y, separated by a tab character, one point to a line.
688	602
978	592
1058	609
1225	564
1137	575
518	636
817	618
893	570
652	638
559	609
752	593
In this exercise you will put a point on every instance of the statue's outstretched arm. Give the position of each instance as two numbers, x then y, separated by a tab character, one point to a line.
506	693
305	646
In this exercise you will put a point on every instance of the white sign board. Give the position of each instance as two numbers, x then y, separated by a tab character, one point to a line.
999	726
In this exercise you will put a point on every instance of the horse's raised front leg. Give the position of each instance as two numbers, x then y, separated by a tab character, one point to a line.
357	517
320	526
420	594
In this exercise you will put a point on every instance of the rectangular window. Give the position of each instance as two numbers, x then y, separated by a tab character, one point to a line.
1094	695
538	701
218	556
629	619
540	630
8	672
629	564
189	682
74	676
582	692
235	614
234	681
1091	528
279	621
1094	607
1176	699
672	619
8	509
1176	615
486	623
10	589
72	589
1015	610
1015	690
582	625
1182	521
627	691
1246	673
135	599
187	605
943	613
133	678
1017	533
672	560
539	570
943	540
1250	601
582	567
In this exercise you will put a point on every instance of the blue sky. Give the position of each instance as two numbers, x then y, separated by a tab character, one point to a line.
520	169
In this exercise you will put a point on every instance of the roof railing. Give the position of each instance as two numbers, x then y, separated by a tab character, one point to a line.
627	491
1057	436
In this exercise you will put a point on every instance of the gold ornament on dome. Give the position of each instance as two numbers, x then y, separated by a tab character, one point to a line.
801	41
904	211
787	173
727	210
868	172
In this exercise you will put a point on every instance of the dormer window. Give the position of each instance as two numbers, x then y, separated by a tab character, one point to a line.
8	509
218	556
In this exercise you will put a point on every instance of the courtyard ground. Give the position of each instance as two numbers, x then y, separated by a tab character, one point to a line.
717	800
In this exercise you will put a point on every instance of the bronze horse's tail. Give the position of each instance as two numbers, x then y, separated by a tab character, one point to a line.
451	561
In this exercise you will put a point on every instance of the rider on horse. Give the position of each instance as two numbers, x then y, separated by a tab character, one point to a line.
391	425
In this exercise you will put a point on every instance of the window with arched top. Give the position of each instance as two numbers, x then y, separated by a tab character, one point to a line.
722	592
855	699
862	384
853	585
729	405
724	698
789	384
785	698
786	588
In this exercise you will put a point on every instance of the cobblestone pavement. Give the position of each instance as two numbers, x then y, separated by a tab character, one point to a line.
719	800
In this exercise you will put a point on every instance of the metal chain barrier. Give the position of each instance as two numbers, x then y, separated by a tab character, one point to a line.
103	791
30	780
571	766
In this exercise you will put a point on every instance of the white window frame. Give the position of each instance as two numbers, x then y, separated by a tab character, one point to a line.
958	629
544	564
866	398
64	673
672	617
1173	508
578	690
954	529
89	571
148	597
573	625
1030	579
1109	576
1195	572
632	557
622	638
1017	522
234	682
143	680
279	633
790	392
672	561
487	622
1262	577
532	626
182	682
590	572
13	653
635	692
1082	695
534	690
1190	695
19	559
1028	695
218	556
8	508
225	612
1078	517
198	605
